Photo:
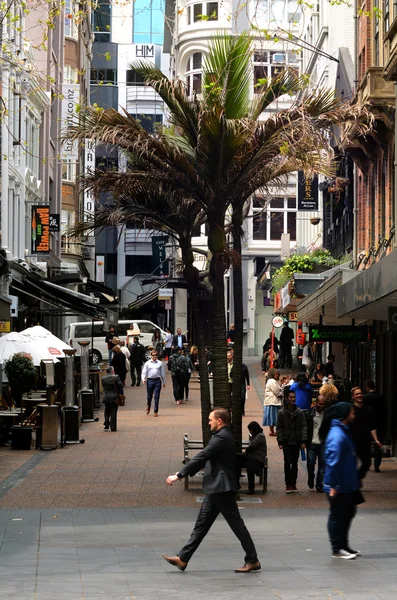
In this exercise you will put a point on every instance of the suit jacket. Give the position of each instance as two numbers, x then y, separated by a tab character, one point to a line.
219	460
175	340
110	384
137	352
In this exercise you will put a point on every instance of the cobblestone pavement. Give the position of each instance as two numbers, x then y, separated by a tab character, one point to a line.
128	468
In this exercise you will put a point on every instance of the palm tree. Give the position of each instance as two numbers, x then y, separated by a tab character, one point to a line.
217	153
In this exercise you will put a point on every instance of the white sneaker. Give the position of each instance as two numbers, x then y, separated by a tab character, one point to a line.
344	554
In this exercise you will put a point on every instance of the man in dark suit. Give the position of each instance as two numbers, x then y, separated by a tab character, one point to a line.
179	339
286	343
220	487
137	358
112	386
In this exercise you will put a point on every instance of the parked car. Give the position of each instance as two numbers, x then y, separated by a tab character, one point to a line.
85	331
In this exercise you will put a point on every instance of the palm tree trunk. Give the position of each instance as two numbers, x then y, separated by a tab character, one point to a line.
238	334
192	277
217	246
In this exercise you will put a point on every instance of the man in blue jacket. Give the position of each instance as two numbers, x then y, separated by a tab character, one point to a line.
341	481
220	486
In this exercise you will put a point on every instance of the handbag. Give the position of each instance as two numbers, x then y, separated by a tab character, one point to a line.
120	398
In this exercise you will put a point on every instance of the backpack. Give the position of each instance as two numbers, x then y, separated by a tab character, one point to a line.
182	365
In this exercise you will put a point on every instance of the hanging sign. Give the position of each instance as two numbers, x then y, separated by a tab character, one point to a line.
70	102
40	229
277	321
159	262
55	222
89	166
307	192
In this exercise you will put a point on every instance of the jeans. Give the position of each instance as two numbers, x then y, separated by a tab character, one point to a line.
291	455
314	453
110	356
153	387
111	415
213	505
342	509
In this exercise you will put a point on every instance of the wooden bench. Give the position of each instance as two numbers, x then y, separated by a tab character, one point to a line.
189	445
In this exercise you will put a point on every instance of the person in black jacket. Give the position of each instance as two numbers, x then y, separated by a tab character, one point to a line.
379	410
245	384
220	487
268	344
286	343
363	432
119	363
254	457
179	339
137	359
111	386
291	437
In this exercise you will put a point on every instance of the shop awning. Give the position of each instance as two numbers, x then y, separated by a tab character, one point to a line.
145	298
322	303
58	297
369	295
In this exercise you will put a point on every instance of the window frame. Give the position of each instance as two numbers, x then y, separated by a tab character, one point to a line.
204	12
192	73
266	213
264	59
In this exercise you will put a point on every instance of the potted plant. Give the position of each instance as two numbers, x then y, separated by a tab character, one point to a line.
22	375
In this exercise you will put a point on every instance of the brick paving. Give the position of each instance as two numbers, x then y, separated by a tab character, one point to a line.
128	468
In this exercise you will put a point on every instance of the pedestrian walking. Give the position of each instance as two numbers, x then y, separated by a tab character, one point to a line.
329	365
172	367
119	363
254	457
158	343
179	339
245	384
184	370
307	358
268	344
363	432
154	376
286	342
273	400
112	386
303	391
127	355
291	438
168	343
378	404
341	482
137	359
316	446
220	487
110	344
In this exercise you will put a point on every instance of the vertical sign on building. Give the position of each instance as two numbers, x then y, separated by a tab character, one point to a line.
89	163
70	101
307	192
100	269
40	229
159	262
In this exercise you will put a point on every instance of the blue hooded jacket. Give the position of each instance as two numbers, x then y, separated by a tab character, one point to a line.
340	460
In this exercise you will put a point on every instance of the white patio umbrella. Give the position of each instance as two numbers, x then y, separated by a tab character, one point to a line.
54	345
15	343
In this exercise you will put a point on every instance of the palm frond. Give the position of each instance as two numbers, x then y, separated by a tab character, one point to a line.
286	82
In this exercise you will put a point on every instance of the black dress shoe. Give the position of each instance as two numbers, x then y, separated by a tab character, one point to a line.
176	562
250	492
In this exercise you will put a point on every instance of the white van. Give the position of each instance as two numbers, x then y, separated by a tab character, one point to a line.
83	332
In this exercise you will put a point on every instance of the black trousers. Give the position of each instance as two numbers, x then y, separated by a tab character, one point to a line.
285	357
291	456
213	505
175	387
378	454
252	465
111	415
342	509
363	452
136	374
183	385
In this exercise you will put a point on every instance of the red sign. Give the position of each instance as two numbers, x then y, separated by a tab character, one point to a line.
54	351
277	301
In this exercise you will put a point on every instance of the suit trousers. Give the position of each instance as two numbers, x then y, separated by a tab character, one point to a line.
111	415
136	374
213	505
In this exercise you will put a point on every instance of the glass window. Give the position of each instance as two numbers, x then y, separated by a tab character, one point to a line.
102	21
69	171
197	83
70	23
196	61
197	12
291	225
276	225
291	203
212	11
70	74
193	75
136	263
386	15
148	22
277	203
149	121
133	78
260	226
147	327
104	76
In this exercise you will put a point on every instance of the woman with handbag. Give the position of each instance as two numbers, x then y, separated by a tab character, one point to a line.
113	394
119	363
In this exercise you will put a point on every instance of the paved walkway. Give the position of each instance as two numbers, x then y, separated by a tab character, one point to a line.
128	468
115	554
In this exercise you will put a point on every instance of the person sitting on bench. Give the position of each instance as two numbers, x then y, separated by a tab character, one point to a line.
254	457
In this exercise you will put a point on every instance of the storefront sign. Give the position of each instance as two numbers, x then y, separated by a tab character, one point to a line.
323	333
277	301
292	316
168	304
159	262
277	321
307	192
40	229
89	166
5	326
70	101
100	269
55	222
285	297
165	293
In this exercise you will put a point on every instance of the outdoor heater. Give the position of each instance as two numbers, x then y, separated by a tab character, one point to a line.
85	395
70	412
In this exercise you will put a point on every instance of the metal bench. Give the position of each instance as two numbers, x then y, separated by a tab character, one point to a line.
189	445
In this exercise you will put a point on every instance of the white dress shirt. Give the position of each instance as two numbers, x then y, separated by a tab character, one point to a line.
153	369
